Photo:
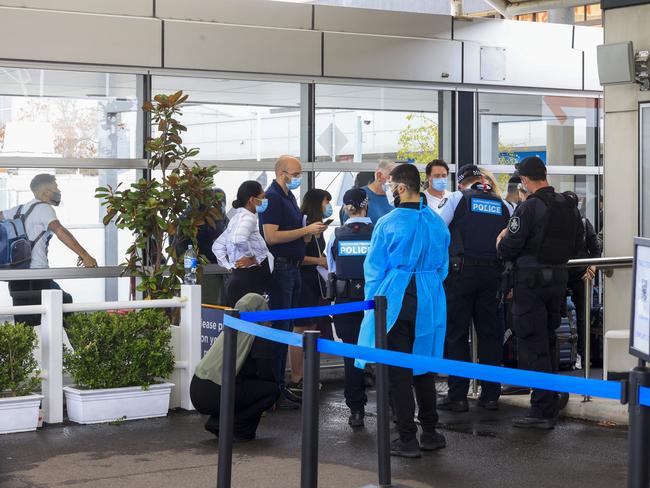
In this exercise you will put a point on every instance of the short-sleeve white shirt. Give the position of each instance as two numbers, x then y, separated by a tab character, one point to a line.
37	222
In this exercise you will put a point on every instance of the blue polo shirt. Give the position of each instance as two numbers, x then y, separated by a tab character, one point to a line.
284	212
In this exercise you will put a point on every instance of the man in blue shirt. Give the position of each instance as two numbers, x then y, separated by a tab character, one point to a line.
378	200
282	226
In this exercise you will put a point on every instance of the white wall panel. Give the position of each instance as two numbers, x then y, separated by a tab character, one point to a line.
586	39
248	12
391	23
494	32
529	67
142	8
200	45
391	58
42	35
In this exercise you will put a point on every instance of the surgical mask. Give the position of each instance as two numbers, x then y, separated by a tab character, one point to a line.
386	188
294	183
328	211
261	208
56	198
439	184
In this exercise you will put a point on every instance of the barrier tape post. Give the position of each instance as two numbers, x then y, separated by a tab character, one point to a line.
310	394
638	469
227	404
383	416
586	360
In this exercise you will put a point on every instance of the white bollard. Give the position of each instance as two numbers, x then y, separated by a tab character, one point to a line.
52	354
190	325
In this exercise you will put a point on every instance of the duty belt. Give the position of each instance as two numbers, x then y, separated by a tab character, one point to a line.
493	263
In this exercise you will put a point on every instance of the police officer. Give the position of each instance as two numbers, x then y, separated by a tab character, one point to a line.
544	232
475	215
346	253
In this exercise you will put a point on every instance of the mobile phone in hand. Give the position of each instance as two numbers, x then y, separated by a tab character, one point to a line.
328	221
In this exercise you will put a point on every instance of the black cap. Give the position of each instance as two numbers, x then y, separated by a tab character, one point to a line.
356	197
531	167
467	171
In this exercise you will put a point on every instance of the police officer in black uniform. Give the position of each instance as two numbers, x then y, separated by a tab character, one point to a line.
476	215
543	234
346	254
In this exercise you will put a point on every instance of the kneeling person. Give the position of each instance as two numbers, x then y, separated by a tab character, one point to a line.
407	262
255	390
346	254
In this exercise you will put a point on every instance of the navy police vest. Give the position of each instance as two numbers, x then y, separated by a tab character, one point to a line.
478	220
350	247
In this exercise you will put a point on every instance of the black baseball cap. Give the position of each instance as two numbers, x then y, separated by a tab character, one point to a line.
355	197
467	171
531	167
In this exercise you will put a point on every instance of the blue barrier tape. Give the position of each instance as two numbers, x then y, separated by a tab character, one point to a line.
303	313
644	396
281	336
532	379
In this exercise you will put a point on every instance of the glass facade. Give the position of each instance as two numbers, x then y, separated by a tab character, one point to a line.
90	127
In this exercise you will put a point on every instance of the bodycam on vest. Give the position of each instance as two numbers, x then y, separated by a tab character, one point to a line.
350	248
478	220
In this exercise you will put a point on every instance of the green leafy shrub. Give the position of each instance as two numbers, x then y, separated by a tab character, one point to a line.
116	350
18	368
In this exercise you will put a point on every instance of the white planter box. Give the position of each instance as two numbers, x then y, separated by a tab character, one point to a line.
19	414
130	403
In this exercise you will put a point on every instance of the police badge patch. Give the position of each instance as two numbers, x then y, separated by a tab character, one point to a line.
514	225
442	202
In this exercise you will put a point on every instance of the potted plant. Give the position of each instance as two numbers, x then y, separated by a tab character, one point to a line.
117	365
19	405
166	209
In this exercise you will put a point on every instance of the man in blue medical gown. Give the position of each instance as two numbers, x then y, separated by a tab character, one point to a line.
408	262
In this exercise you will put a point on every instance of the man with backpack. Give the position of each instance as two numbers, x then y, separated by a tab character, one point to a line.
27	230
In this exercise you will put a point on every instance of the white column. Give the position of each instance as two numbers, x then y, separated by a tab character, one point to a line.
190	325
52	354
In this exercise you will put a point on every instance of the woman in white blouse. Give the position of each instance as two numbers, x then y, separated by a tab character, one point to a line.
242	249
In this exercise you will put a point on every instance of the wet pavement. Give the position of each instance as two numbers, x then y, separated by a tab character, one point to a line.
484	450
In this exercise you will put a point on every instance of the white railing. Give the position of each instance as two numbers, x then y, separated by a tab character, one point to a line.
51	336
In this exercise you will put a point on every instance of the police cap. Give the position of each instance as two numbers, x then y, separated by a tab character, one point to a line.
531	167
356	197
467	171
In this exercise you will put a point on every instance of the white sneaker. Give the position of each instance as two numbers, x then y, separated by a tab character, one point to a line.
578	362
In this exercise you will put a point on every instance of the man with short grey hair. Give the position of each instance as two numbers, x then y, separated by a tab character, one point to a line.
378	199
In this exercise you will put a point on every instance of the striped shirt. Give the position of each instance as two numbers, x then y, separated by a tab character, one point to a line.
241	238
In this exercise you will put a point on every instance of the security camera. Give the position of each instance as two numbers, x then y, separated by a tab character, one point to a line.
367	122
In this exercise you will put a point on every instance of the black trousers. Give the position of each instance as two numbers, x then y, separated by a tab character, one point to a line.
402	382
248	280
28	292
535	317
577	287
252	398
347	328
472	295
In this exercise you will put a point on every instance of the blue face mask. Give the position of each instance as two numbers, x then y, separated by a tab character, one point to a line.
328	211
439	184
261	208
294	183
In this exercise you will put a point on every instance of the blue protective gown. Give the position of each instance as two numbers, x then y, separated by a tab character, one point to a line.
405	242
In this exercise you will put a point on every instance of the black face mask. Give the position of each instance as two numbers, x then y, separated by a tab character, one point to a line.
396	199
56	198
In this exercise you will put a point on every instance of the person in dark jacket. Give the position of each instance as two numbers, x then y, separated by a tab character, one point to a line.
576	285
255	390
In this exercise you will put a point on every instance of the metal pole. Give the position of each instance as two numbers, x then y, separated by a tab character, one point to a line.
383	415
227	404
310	393
638	469
472	332
587	351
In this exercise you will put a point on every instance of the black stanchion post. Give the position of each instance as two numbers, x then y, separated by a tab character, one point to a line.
383	414
638	469
227	404
310	394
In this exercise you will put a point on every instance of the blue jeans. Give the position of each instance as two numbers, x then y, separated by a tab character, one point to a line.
284	292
